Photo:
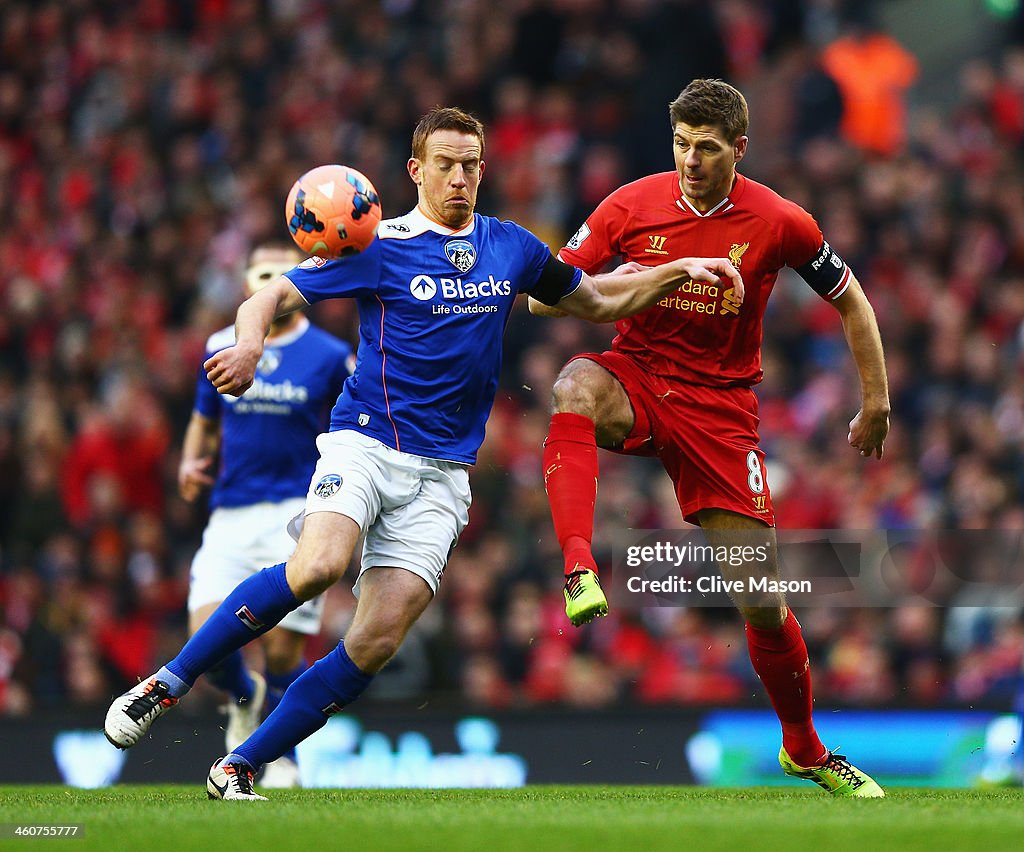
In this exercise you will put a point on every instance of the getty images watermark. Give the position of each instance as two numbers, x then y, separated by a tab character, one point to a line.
845	568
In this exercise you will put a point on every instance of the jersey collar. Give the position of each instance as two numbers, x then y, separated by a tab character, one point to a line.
420	222
726	204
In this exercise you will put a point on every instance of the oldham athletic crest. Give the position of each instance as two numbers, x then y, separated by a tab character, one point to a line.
461	253
328	486
269	361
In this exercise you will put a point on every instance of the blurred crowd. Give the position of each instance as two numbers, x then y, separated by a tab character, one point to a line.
146	146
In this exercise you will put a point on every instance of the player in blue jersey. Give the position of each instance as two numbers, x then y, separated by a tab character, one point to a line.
434	292
266	445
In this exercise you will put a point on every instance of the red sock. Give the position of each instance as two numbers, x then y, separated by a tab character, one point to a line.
780	659
570	478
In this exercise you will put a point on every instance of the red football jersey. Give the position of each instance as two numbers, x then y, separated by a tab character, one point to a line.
698	334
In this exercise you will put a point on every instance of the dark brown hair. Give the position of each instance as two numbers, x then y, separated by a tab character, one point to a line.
274	244
445	118
714	103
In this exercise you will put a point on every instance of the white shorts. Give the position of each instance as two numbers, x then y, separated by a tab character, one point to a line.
237	543
411	509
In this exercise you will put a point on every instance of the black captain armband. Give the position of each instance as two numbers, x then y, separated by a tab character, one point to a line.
826	273
555	282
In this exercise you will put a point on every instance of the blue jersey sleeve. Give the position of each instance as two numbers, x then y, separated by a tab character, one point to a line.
357	275
537	279
207	399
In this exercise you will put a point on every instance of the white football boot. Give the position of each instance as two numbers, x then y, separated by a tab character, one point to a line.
131	715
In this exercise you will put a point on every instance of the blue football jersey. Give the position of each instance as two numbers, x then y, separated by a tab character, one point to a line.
433	305
268	435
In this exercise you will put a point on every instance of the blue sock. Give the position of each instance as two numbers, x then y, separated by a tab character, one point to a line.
319	693
276	686
231	675
256	605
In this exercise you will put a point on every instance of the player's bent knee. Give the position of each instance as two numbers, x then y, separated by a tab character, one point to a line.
322	555
572	393
309	578
587	388
370	650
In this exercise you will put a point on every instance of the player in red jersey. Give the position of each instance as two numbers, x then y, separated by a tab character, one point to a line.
677	384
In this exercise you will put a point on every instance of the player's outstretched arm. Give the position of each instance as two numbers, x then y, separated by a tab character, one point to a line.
871	424
232	370
539	309
633	288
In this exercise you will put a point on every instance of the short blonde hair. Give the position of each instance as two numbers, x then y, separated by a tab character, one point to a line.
445	118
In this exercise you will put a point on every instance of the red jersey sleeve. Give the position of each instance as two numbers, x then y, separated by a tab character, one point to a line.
808	253
800	238
598	239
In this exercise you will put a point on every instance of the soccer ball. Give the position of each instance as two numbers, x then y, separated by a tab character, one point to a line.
333	211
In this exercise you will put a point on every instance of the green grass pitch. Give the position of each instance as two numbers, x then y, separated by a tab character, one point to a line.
596	819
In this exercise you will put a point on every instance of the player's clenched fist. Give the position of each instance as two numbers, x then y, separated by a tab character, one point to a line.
231	371
868	430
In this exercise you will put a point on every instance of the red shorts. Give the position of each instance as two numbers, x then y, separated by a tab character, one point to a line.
705	437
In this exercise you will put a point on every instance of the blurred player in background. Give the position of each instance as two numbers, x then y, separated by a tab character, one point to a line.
266	444
677	384
434	291
1004	743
